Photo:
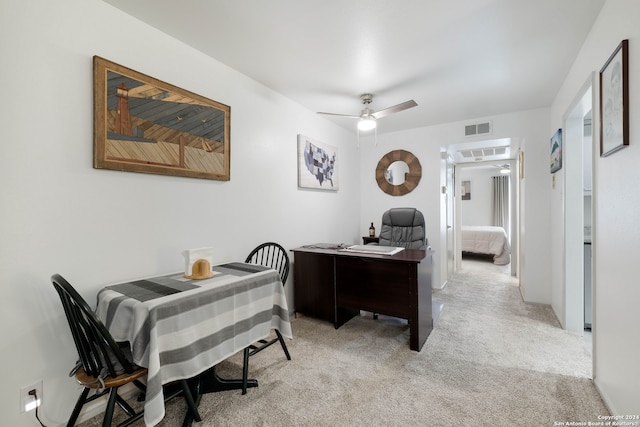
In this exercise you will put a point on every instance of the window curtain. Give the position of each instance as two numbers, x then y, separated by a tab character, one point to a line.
500	202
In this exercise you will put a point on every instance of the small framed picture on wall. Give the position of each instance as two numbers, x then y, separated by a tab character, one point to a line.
614	101
466	190
556	151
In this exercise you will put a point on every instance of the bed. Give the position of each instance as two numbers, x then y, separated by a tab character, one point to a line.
487	240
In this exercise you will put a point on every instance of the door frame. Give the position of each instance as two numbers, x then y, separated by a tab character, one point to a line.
514	214
573	206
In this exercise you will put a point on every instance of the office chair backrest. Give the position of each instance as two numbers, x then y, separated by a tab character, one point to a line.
271	255
403	227
99	354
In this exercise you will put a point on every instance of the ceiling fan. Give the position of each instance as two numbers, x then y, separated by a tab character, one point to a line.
504	168
368	117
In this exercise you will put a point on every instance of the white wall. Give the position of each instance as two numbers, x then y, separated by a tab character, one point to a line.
615	231
425	197
95	227
528	127
477	210
557	243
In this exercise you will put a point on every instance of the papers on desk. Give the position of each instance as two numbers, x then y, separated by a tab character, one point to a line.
373	249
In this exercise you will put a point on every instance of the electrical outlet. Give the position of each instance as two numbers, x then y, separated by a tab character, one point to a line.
28	400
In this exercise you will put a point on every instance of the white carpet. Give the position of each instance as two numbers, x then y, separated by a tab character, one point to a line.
491	360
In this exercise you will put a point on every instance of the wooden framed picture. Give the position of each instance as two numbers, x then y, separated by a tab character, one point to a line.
142	124
398	172
614	101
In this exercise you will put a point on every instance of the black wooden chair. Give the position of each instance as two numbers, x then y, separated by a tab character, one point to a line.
104	365
274	256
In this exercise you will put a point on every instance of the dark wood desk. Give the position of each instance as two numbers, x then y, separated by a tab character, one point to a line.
335	285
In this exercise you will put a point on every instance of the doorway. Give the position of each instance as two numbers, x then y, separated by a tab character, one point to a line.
578	154
488	199
493	156
448	190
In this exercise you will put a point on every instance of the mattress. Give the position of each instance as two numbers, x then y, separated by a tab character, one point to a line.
487	240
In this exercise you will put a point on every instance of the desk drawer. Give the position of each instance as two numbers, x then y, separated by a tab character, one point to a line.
374	285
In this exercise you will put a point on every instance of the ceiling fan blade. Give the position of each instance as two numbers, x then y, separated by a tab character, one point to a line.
341	115
394	109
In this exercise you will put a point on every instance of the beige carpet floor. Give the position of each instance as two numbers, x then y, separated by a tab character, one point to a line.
491	360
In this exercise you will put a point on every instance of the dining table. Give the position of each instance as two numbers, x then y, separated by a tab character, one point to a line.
180	328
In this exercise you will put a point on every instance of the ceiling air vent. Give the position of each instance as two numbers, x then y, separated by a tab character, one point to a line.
477	129
483	154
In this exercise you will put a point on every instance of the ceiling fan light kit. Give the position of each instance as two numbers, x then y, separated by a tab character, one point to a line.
368	118
366	123
365	129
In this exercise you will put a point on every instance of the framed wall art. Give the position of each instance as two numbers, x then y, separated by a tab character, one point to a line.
466	190
398	172
142	124
556	151
614	101
317	165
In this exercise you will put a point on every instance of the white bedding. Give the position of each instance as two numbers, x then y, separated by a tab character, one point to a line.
487	240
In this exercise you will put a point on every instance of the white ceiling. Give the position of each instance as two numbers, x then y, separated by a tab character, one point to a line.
458	59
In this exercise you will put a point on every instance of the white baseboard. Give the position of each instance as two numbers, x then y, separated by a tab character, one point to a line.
441	286
605	398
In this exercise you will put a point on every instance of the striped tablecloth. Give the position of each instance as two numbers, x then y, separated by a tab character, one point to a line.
179	327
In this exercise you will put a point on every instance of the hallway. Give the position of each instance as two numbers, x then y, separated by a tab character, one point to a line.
525	335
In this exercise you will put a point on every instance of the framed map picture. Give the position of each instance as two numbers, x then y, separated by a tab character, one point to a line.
317	165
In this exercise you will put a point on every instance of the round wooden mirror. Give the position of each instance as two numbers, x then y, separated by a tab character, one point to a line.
398	172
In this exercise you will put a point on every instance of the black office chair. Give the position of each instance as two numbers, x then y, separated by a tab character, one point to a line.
403	227
274	256
103	364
